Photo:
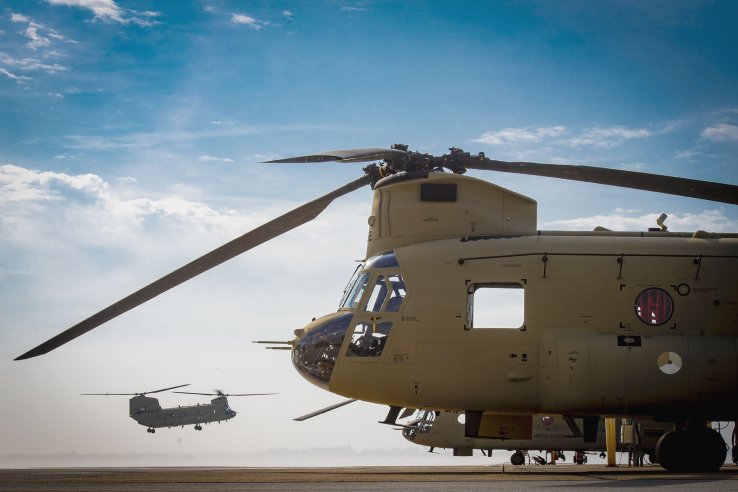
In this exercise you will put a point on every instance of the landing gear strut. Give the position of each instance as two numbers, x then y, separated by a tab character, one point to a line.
695	449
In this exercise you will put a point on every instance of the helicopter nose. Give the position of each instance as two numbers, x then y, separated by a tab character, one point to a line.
317	346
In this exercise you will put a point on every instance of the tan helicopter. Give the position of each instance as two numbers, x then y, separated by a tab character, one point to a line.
636	324
147	411
547	432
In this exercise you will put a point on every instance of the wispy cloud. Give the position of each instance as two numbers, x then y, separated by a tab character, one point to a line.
36	40
721	133
249	21
209	158
18	78
288	15
354	9
518	135
109	11
608	136
30	64
688	154
611	136
142	140
39	36
15	17
713	220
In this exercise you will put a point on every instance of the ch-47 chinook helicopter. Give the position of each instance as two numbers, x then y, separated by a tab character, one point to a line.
640	324
540	432
147	412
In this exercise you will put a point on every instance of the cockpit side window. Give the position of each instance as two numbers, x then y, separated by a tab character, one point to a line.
368	339
397	293
387	294
379	293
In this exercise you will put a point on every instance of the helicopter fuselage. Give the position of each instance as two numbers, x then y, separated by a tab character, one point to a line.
527	322
147	412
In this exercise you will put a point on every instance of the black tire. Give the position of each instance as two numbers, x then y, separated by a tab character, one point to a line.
698	449
517	458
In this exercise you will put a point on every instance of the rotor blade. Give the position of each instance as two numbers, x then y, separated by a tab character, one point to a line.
223	394
270	230
193	393
707	190
109	394
251	394
348	155
323	410
165	389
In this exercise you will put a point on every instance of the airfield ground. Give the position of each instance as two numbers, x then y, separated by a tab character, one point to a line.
456	478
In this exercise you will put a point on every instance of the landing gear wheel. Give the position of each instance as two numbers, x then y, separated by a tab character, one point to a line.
517	458
697	449
198	427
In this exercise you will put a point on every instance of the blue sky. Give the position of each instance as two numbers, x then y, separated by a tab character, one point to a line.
131	136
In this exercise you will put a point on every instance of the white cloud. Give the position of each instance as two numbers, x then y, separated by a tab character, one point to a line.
249	21
19	18
19	184
353	9
36	40
87	201
288	15
18	78
608	136
721	133
31	64
142	140
562	136
518	135
103	9
629	220
688	154
109	11
208	158
39	36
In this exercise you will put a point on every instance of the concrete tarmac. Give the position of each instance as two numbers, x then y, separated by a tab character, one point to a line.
389	479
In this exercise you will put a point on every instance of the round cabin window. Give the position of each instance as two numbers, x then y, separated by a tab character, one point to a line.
654	306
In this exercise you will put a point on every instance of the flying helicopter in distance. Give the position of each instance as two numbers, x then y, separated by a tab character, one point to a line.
146	410
610	323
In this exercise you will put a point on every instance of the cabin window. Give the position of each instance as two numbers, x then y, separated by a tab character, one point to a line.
496	305
387	294
369	338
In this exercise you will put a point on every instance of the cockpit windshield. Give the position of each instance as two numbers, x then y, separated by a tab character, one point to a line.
387	292
354	290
